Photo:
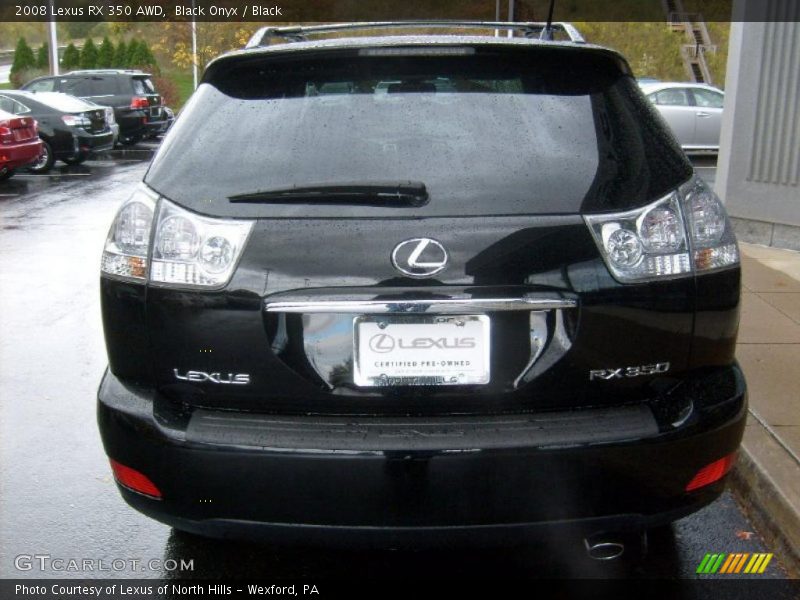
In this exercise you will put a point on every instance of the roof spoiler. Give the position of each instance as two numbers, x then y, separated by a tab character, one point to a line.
535	30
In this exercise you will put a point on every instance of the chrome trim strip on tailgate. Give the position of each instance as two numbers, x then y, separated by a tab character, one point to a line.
433	305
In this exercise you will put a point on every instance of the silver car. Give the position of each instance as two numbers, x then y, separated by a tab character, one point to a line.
693	111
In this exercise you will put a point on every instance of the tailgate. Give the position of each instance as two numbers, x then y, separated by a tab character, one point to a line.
284	335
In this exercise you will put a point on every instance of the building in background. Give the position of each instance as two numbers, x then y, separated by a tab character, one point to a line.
758	174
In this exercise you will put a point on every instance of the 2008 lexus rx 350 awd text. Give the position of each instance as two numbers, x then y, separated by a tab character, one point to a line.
420	287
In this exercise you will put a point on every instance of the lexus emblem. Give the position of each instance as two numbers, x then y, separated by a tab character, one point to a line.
420	257
381	343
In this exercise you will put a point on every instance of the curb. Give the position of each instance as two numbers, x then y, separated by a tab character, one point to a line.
766	481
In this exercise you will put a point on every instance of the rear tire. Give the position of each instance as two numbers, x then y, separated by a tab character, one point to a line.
129	140
46	160
77	159
6	173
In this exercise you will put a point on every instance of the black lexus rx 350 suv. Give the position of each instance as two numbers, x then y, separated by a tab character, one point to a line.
420	288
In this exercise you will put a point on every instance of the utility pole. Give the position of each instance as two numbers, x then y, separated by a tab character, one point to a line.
53	43
511	16
194	48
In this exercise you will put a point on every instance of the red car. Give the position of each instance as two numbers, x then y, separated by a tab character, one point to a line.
19	143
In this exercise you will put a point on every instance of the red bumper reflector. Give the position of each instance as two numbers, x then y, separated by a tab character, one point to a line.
134	480
711	473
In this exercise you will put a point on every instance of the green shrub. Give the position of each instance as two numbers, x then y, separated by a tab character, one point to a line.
89	55
105	56
71	59
24	62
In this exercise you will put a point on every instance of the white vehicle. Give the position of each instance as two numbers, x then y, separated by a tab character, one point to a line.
692	110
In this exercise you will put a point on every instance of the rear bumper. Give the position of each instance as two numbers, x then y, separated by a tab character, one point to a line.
408	482
139	122
95	143
77	141
19	155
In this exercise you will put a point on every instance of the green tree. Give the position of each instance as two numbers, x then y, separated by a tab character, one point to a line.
140	56
43	57
105	56
71	58
133	54
23	57
148	57
121	56
89	55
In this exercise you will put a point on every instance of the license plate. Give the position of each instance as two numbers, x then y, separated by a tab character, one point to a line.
22	134
421	350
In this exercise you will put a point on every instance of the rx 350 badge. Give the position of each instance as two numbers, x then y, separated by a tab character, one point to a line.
628	372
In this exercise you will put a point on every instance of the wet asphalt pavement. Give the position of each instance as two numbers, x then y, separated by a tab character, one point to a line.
57	496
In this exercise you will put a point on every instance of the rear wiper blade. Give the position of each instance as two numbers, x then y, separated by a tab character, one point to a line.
372	193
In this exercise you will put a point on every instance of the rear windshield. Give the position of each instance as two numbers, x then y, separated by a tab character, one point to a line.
486	132
143	86
90	86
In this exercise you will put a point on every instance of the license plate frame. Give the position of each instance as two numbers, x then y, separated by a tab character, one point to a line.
444	352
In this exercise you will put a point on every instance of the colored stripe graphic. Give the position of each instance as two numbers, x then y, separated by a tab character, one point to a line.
753	564
717	564
702	567
741	559
741	562
765	563
731	563
726	567
710	564
734	563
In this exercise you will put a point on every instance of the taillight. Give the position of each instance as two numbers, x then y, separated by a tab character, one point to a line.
126	250
194	251
139	102
76	120
713	241
188	250
711	473
6	136
685	232
134	480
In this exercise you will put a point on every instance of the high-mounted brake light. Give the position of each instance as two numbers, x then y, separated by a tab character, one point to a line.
134	480
684	232
711	473
409	51
139	102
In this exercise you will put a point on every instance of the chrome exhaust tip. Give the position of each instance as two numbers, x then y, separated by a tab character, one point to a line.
603	548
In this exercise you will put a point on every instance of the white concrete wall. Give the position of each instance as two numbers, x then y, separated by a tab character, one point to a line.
759	162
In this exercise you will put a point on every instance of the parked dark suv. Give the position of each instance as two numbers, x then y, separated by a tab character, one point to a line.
427	288
137	105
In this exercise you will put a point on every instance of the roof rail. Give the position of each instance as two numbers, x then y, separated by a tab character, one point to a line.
536	30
